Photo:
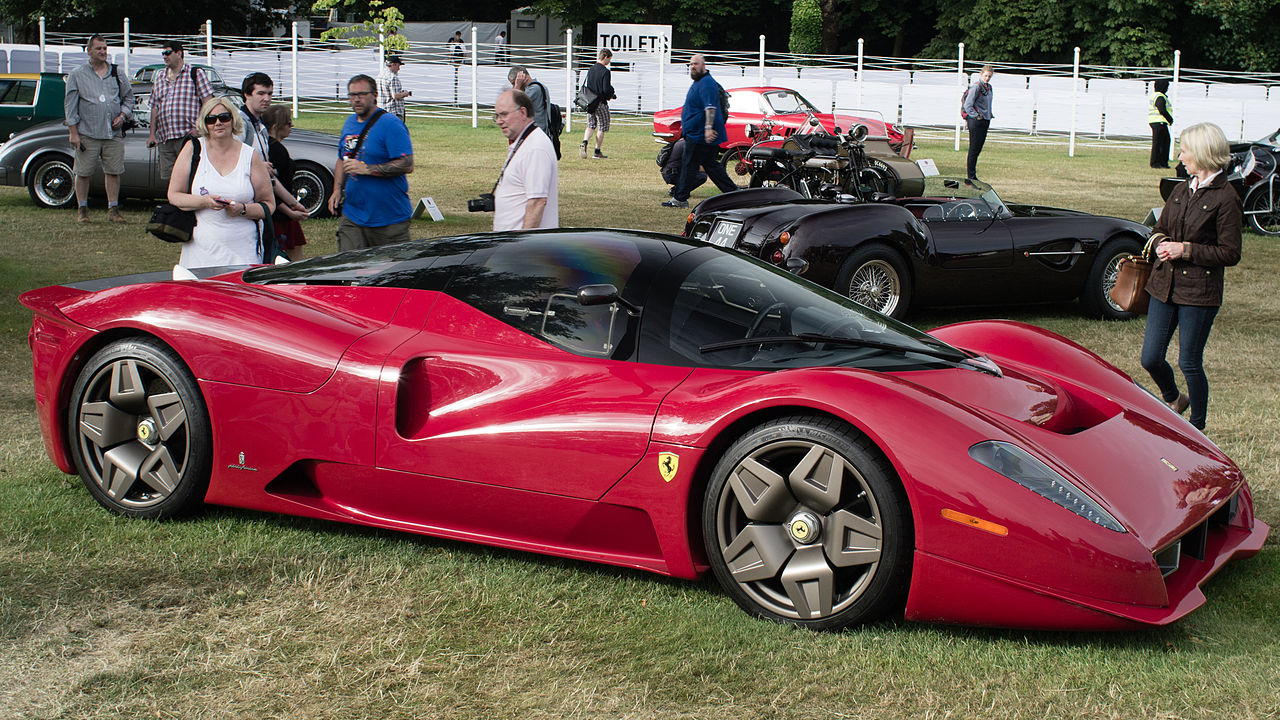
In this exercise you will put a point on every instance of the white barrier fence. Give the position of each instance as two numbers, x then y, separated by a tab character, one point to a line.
1033	99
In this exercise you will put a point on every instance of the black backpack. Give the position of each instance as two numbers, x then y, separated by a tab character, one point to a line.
555	118
724	103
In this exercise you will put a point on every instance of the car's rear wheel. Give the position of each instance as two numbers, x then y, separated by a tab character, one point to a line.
139	430
875	276
312	185
1262	207
52	182
1102	277
805	522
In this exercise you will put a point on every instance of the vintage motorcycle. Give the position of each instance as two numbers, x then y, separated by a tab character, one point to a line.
1253	173
832	167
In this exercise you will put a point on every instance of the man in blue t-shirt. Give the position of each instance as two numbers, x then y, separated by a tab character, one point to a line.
702	126
369	183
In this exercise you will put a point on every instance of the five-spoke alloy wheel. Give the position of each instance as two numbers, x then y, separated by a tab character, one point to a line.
805	522
139	430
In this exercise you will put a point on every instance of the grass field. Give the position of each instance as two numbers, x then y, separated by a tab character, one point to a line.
243	615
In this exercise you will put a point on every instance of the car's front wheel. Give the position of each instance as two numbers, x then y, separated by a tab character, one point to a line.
876	277
312	185
1102	277
139	430
805	522
52	182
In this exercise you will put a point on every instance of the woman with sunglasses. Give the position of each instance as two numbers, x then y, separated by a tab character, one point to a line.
230	180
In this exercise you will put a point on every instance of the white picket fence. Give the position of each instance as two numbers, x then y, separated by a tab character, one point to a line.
1040	100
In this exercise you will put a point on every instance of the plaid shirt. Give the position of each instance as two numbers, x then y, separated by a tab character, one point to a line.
176	103
388	86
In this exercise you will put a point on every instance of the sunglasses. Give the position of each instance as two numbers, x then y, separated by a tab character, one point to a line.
220	117
167	53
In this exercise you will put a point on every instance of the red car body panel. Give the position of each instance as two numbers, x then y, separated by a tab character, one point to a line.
411	410
666	123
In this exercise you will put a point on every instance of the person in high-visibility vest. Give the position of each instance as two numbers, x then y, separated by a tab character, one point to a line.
1160	117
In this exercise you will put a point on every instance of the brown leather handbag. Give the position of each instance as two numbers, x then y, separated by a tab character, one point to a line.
1130	291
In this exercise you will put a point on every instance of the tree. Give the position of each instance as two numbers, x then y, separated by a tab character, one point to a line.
230	17
728	26
806	27
382	21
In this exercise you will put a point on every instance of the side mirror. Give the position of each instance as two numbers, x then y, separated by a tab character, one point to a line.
797	266
813	121
951	184
589	295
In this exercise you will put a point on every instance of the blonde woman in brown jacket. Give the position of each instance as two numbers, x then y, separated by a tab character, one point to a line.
1202	221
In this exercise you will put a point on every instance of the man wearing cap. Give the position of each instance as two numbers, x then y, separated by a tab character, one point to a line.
391	94
176	98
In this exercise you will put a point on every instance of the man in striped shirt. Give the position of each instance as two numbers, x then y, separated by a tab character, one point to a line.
391	93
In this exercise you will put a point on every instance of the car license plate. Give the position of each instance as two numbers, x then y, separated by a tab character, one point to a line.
725	233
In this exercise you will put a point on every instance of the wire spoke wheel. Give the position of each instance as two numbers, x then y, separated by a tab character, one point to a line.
877	285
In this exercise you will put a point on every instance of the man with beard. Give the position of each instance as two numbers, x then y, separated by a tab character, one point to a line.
702	124
369	182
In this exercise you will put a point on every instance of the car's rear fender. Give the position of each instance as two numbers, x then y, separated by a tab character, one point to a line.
824	239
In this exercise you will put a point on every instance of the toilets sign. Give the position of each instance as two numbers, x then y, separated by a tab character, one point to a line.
632	43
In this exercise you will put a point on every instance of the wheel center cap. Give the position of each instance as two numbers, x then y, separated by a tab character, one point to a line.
147	432
805	527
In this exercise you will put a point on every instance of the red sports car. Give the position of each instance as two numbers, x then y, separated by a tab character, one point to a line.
788	111
652	402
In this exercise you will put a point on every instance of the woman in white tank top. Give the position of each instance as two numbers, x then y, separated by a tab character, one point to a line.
229	182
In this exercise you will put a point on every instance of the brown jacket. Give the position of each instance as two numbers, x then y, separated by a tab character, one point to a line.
1210	220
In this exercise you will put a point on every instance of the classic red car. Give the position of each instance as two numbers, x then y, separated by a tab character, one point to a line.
788	111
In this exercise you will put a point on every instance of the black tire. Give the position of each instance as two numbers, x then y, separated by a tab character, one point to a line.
876	277
1262	207
313	185
1096	297
52	182
735	166
878	180
806	523
139	431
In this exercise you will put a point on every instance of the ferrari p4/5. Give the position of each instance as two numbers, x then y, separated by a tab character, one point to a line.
651	402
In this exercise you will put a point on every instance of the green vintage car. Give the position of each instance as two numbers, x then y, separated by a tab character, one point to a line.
28	99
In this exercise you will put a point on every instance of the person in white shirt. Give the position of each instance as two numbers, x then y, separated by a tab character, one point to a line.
527	193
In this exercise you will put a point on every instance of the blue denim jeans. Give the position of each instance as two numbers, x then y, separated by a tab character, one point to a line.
1193	324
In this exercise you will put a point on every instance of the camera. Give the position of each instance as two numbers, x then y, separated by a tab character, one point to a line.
484	203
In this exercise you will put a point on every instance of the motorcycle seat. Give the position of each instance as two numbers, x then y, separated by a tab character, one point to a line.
777	153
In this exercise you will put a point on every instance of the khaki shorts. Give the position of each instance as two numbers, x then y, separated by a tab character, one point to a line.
351	236
105	154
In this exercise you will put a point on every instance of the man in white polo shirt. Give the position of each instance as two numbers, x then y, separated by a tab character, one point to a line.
527	193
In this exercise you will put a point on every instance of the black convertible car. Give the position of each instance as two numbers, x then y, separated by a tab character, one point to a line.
956	244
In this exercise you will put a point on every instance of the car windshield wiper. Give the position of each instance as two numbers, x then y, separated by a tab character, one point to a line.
942	353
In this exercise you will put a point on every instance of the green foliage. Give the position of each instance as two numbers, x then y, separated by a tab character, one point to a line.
725	25
385	21
806	27
230	17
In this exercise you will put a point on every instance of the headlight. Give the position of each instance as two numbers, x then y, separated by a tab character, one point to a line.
1019	466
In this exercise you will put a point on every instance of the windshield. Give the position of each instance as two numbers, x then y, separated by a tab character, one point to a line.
788	102
718	299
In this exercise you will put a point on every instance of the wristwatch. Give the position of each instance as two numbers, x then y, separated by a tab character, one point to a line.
243	209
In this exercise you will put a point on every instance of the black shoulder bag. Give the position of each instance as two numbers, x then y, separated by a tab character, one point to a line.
128	123
171	223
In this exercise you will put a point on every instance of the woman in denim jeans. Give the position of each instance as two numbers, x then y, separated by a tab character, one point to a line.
1202	222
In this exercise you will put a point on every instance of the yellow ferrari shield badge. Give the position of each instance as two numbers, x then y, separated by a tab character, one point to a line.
668	463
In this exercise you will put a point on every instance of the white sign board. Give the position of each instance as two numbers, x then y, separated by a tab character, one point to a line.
428	206
927	166
633	43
